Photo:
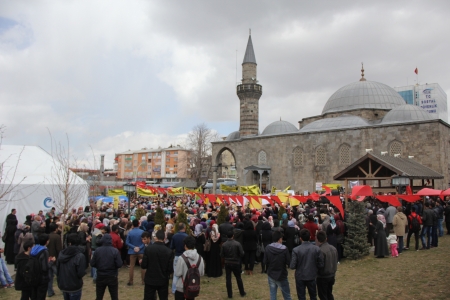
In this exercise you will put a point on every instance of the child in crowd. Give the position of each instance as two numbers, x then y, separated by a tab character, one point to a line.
392	241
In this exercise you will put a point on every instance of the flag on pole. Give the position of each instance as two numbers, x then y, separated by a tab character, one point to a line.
416	71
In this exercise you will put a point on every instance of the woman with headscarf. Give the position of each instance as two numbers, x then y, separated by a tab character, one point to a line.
85	241
250	241
266	239
26	235
340	238
289	236
10	231
214	266
381	246
17	234
325	222
332	232
169	234
199	239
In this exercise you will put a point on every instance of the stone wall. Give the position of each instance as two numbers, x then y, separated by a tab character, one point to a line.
427	141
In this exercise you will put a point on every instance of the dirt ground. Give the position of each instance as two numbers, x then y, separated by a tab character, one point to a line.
413	275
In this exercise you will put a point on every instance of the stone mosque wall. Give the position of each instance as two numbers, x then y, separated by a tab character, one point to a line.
302	159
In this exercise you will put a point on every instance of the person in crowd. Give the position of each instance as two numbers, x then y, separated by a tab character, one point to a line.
381	247
306	260
399	222
190	256
435	227
447	217
85	240
312	227
414	221
25	236
290	234
326	275
439	210
5	277
200	239
214	264
157	261
224	228
40	251
428	219
21	261
97	234
71	268
107	261
250	240
389	216
265	239
277	258
169	235
54	248
135	250
146	238
177	244
10	230
392	240
115	236
232	252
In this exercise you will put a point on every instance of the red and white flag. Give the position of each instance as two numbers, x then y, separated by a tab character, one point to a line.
416	71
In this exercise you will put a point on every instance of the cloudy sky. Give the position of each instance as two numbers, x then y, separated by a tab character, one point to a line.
119	75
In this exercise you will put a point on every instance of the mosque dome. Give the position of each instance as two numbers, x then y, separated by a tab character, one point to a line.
345	121
235	135
279	127
363	94
405	113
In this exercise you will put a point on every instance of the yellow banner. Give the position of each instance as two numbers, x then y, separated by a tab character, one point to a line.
333	186
252	190
273	190
116	202
176	191
286	189
228	189
145	193
112	193
256	204
293	201
189	191
283	196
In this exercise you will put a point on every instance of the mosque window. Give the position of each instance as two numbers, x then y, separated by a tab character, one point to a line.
298	157
262	158
395	148
344	155
320	157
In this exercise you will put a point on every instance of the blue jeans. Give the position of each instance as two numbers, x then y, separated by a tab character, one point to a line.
51	275
400	244
428	231
175	278
93	270
440	227
72	296
5	278
284	287
302	285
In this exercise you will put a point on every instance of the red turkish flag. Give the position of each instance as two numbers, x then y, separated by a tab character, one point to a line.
416	71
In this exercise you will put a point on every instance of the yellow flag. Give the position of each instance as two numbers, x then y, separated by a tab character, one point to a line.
112	193
293	201
284	197
176	191
146	193
286	189
273	190
256	204
116	202
228	189
250	190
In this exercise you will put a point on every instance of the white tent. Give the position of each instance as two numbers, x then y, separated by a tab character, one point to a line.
30	170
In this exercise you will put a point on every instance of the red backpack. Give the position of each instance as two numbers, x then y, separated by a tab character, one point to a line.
191	282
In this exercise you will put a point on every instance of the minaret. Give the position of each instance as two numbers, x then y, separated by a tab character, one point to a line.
249	92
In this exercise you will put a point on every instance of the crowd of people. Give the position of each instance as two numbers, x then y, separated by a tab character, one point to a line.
188	242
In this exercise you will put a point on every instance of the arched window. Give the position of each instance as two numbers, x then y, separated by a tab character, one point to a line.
344	155
262	158
320	157
395	148
298	157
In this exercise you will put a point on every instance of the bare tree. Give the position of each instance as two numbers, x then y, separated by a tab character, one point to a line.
66	187
199	143
8	181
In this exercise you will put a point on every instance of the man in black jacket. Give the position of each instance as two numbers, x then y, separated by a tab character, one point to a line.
71	267
325	278
233	252
107	261
277	258
224	228
157	261
21	261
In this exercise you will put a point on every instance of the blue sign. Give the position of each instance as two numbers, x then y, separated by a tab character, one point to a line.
48	202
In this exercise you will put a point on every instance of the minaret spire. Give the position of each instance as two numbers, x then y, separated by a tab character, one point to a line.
362	73
249	56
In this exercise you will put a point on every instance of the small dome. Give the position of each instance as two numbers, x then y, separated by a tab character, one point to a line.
407	113
345	121
363	94
279	127
235	135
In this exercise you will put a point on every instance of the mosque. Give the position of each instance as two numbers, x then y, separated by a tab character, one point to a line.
363	116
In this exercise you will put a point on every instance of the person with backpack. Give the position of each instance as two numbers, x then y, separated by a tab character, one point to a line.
36	269
190	266
414	221
71	267
21	260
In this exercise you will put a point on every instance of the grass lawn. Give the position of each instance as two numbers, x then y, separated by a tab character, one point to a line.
413	275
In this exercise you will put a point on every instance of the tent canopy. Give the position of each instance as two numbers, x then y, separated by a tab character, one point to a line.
30	171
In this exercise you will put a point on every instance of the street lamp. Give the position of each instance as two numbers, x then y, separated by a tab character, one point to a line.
400	182
129	189
137	170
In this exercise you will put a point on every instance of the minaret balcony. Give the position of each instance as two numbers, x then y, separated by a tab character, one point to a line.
245	88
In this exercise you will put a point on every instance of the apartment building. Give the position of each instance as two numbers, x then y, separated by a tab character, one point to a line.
162	165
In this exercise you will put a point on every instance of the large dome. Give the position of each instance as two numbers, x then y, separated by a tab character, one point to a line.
345	121
279	127
406	113
363	94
